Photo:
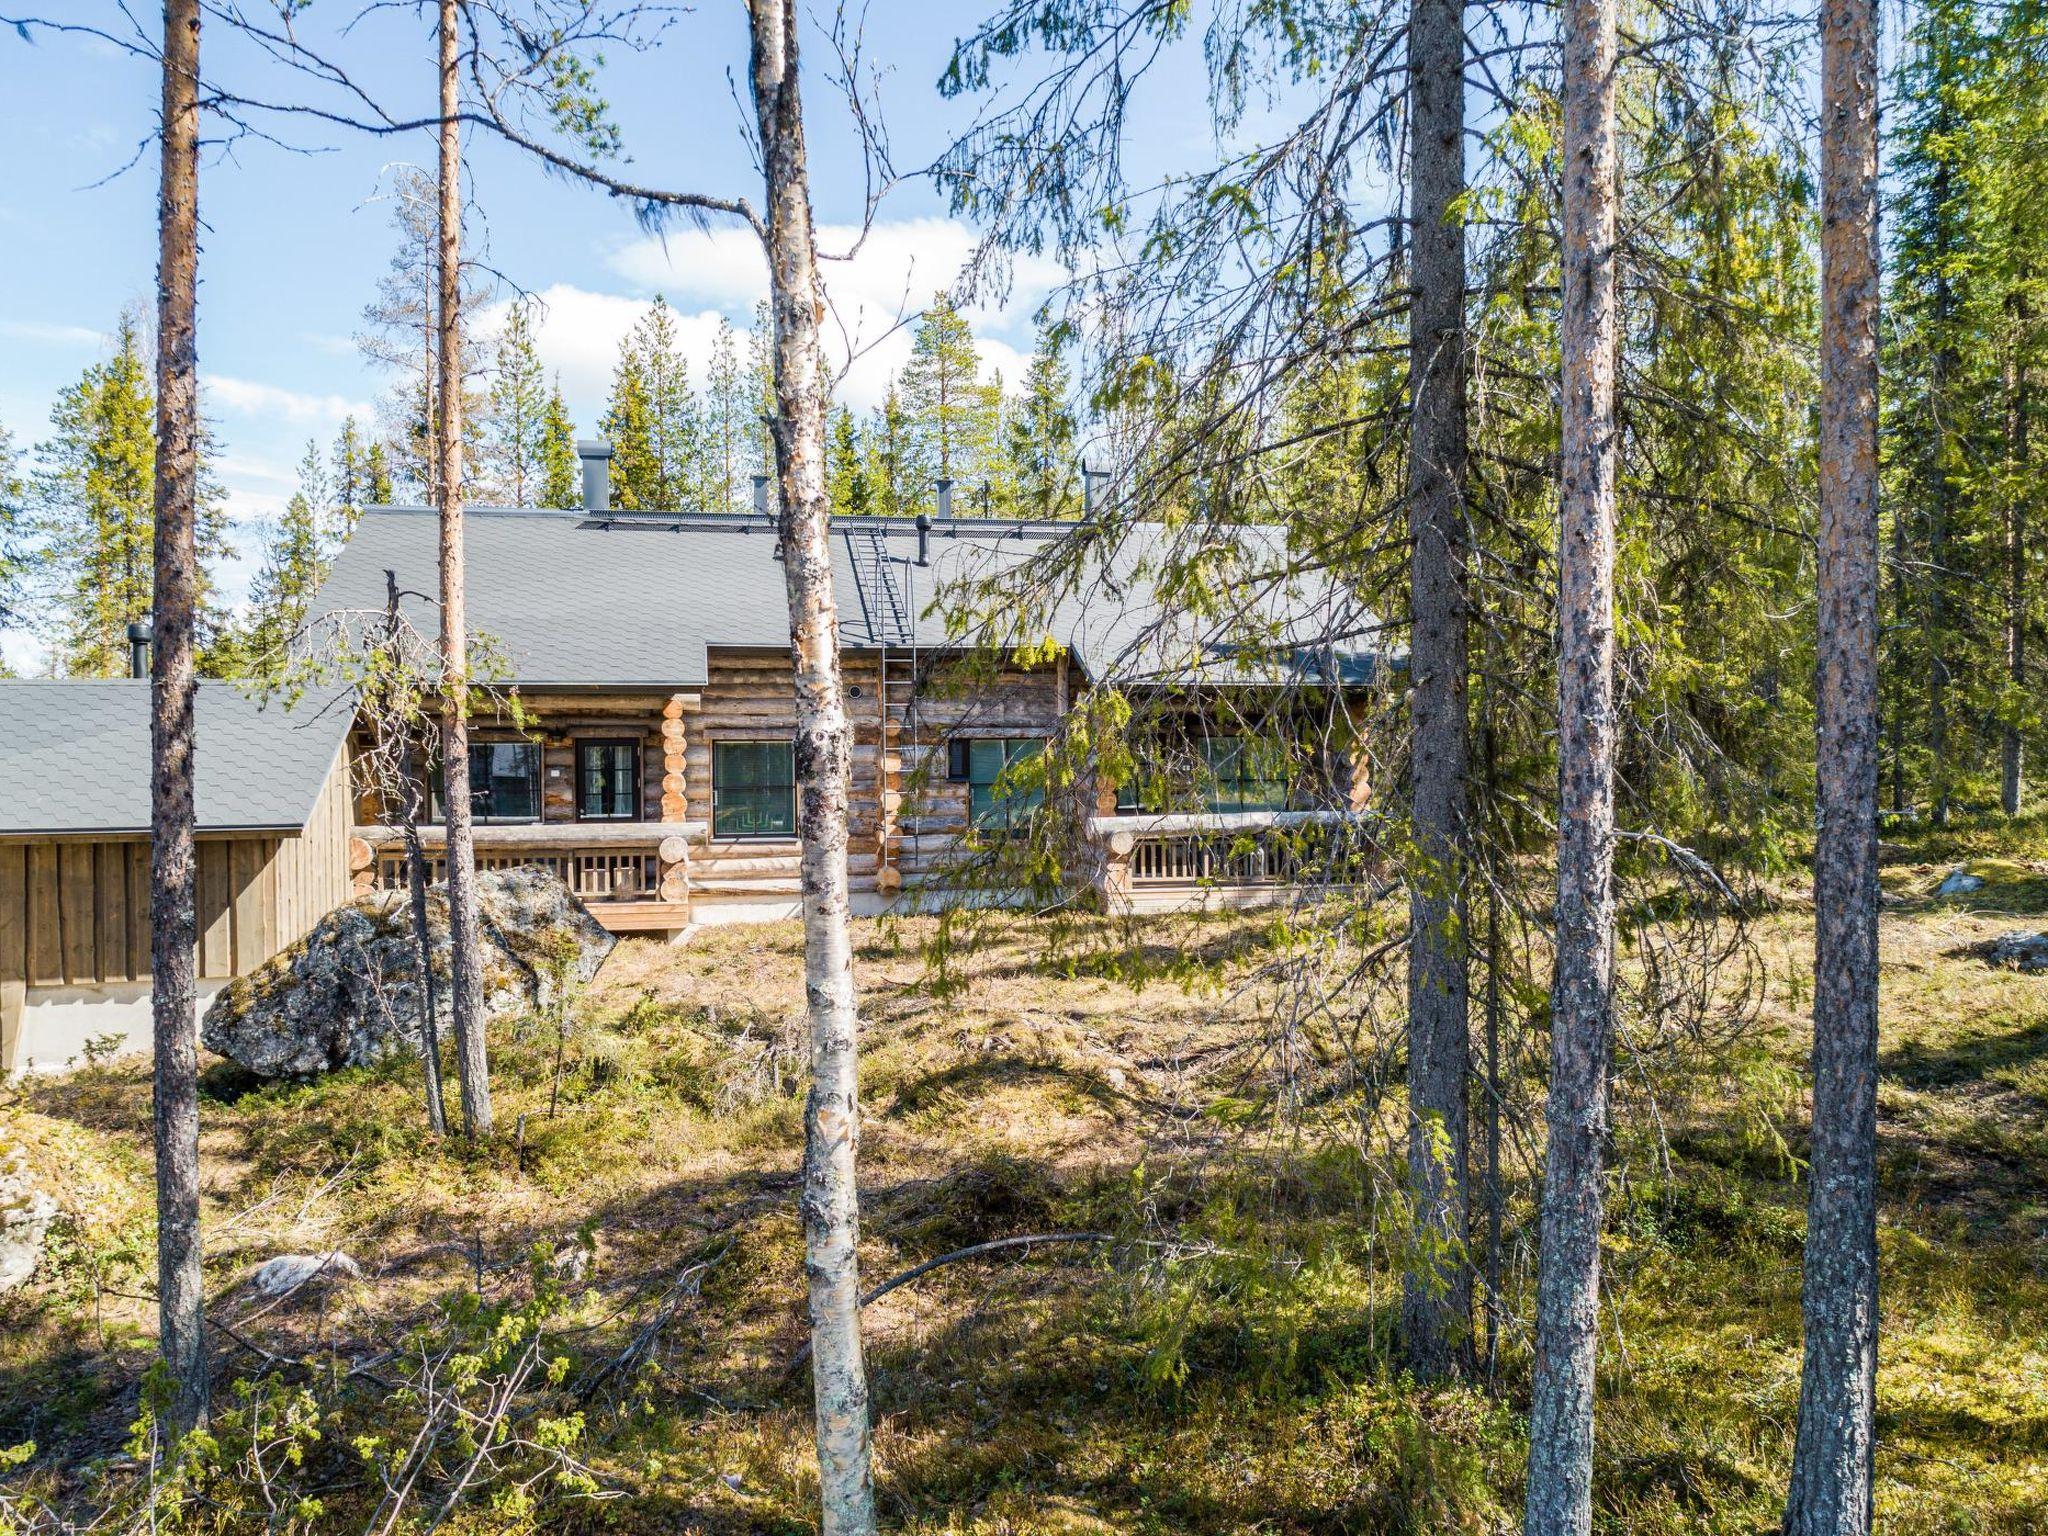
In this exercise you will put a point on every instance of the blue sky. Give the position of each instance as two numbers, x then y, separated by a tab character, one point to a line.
295	240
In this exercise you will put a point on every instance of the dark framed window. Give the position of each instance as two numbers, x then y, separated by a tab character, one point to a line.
607	781
1243	775
504	782
753	789
980	762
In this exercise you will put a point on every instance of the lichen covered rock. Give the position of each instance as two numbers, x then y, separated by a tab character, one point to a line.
2019	951
347	994
26	1211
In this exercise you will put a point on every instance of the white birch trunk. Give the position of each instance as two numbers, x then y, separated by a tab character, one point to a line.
465	960
831	1197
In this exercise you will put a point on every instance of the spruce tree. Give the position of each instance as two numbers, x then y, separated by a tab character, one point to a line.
729	424
952	412
95	519
629	425
1039	433
359	479
560	470
674	434
512	437
846	472
886	456
12	491
293	567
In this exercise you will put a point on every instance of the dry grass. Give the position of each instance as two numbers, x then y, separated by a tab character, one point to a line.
1244	1382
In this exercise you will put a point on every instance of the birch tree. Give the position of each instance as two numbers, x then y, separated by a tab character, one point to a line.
1834	1449
789	365
465	962
1560	1490
181	1342
1437	1283
831	1199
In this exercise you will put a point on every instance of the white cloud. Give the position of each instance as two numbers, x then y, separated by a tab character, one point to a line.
246	397
54	333
884	283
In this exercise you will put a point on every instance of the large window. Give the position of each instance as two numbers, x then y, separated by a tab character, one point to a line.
753	789
1236	773
504	782
1243	775
608	780
979	763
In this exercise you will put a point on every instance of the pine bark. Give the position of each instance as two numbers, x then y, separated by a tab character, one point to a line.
1833	1457
173	936
1560	1491
830	1198
1436	1295
465	961
2011	748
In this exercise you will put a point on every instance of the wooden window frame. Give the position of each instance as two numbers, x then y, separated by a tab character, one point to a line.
638	802
718	748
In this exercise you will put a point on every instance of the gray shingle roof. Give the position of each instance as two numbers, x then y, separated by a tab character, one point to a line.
74	758
638	599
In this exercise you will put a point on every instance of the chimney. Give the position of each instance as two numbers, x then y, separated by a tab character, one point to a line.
1088	479
140	634
760	495
924	536
597	474
945	497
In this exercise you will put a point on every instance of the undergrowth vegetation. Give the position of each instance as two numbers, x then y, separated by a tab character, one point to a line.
593	1322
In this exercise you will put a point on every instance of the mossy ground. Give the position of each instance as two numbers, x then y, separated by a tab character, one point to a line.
1243	1380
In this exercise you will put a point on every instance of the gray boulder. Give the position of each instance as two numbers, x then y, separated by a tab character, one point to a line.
347	994
288	1271
2019	951
1959	882
26	1212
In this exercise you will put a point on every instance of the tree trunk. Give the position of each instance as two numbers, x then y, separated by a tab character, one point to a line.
831	1198
465	960
173	934
409	811
2011	753
1899	688
1560	1492
1436	1290
1834	1450
1941	509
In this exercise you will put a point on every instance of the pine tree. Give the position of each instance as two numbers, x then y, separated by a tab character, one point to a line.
952	412
512	439
95	524
560	470
398	336
1039	434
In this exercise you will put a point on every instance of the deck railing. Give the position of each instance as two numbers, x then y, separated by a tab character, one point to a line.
1237	848
594	874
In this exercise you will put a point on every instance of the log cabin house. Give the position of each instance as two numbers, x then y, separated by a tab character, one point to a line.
651	761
